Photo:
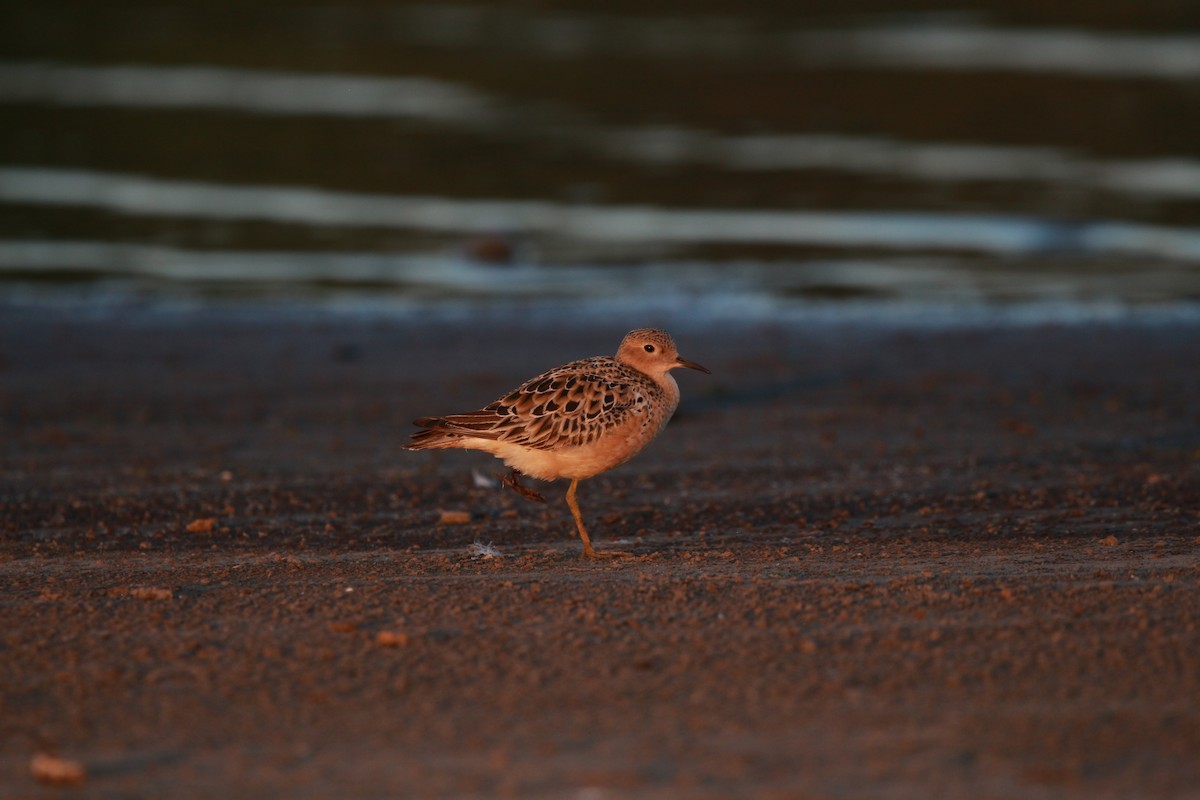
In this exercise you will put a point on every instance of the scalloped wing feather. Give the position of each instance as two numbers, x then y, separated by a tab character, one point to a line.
572	405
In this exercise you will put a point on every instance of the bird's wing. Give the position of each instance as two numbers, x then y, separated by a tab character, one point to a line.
572	404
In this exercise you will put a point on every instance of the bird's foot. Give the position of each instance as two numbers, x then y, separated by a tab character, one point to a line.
591	553
511	481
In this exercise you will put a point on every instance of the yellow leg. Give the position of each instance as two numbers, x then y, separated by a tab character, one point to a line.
588	552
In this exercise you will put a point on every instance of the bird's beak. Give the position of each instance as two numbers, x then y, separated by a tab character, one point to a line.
683	362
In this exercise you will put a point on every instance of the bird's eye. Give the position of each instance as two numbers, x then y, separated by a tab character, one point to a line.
649	348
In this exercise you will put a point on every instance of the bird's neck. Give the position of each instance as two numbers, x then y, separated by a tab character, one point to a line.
670	389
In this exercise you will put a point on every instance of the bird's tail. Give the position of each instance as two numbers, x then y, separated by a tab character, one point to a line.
434	436
450	431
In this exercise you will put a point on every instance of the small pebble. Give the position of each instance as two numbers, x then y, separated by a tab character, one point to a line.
150	593
454	518
57	771
392	639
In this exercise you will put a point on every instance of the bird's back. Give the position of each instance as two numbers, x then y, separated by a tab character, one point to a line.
583	417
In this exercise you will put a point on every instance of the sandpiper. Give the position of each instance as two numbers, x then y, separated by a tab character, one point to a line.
573	421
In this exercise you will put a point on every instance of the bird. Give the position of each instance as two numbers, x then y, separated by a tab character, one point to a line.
573	421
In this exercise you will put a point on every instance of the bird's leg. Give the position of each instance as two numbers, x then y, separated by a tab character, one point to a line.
510	480
588	552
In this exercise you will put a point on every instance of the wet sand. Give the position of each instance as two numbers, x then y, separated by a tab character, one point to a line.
870	562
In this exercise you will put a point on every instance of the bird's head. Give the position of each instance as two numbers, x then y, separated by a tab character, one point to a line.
653	352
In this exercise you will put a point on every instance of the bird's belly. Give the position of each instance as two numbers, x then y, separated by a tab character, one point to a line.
582	461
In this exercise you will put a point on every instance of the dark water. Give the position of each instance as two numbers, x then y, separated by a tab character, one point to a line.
752	157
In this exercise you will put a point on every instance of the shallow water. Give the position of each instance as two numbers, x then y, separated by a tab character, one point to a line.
720	157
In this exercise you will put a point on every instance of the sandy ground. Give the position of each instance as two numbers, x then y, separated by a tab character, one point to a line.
870	562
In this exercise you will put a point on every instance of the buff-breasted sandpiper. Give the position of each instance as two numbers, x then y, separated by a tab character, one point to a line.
573	421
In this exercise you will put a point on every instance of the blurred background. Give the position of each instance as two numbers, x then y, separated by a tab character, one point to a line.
750	157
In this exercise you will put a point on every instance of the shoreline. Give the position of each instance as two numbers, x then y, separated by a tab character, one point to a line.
686	311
